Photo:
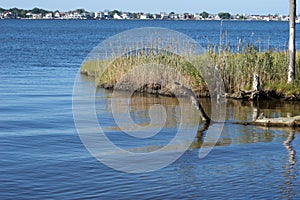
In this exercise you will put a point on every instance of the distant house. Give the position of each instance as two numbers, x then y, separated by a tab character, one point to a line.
96	15
286	18
127	15
91	15
99	15
57	15
87	15
83	16
145	16
181	16
48	16
117	16
164	15
255	17
156	16
174	16
74	15
37	16
267	18
217	17
106	15
197	16
103	15
211	16
8	15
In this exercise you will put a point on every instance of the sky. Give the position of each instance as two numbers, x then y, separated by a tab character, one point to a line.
156	6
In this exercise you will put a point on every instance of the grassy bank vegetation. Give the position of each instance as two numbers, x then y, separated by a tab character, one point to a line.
235	68
122	73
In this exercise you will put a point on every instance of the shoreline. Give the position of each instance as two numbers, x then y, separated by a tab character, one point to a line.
236	71
270	94
204	20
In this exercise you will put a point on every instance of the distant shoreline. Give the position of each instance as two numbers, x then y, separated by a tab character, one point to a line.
207	20
82	14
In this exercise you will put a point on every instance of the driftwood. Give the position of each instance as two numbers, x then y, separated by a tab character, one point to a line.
278	122
195	101
274	122
255	93
248	95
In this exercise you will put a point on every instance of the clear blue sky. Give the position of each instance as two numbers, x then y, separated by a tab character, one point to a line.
153	6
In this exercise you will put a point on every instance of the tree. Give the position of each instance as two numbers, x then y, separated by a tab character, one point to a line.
80	10
38	11
223	15
112	13
22	14
204	15
292	50
135	16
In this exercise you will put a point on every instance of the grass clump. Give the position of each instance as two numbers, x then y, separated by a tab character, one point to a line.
144	67
236	69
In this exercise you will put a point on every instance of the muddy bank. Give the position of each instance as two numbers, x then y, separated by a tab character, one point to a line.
171	91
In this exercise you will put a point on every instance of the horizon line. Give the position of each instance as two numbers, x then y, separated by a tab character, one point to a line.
233	13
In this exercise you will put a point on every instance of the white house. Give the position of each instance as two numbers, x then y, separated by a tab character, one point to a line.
117	16
8	15
126	15
48	16
164	15
197	16
181	16
145	16
217	17
106	14
99	15
37	16
57	15
75	15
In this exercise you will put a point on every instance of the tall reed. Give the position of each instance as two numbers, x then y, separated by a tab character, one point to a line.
236	68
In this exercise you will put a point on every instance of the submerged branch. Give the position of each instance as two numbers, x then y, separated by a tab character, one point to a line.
195	101
259	121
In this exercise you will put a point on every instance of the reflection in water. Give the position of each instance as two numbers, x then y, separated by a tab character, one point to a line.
289	168
241	110
256	110
140	106
266	166
289	147
224	140
200	136
232	133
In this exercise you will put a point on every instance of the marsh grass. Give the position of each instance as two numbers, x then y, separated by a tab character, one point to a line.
144	67
236	69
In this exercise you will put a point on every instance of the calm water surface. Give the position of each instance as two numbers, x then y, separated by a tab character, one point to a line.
42	156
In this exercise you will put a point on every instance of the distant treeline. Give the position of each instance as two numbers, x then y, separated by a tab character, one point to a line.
23	13
39	13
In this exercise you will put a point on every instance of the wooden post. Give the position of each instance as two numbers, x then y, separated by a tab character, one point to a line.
292	51
256	83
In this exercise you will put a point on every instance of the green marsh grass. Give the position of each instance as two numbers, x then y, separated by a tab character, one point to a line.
236	69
